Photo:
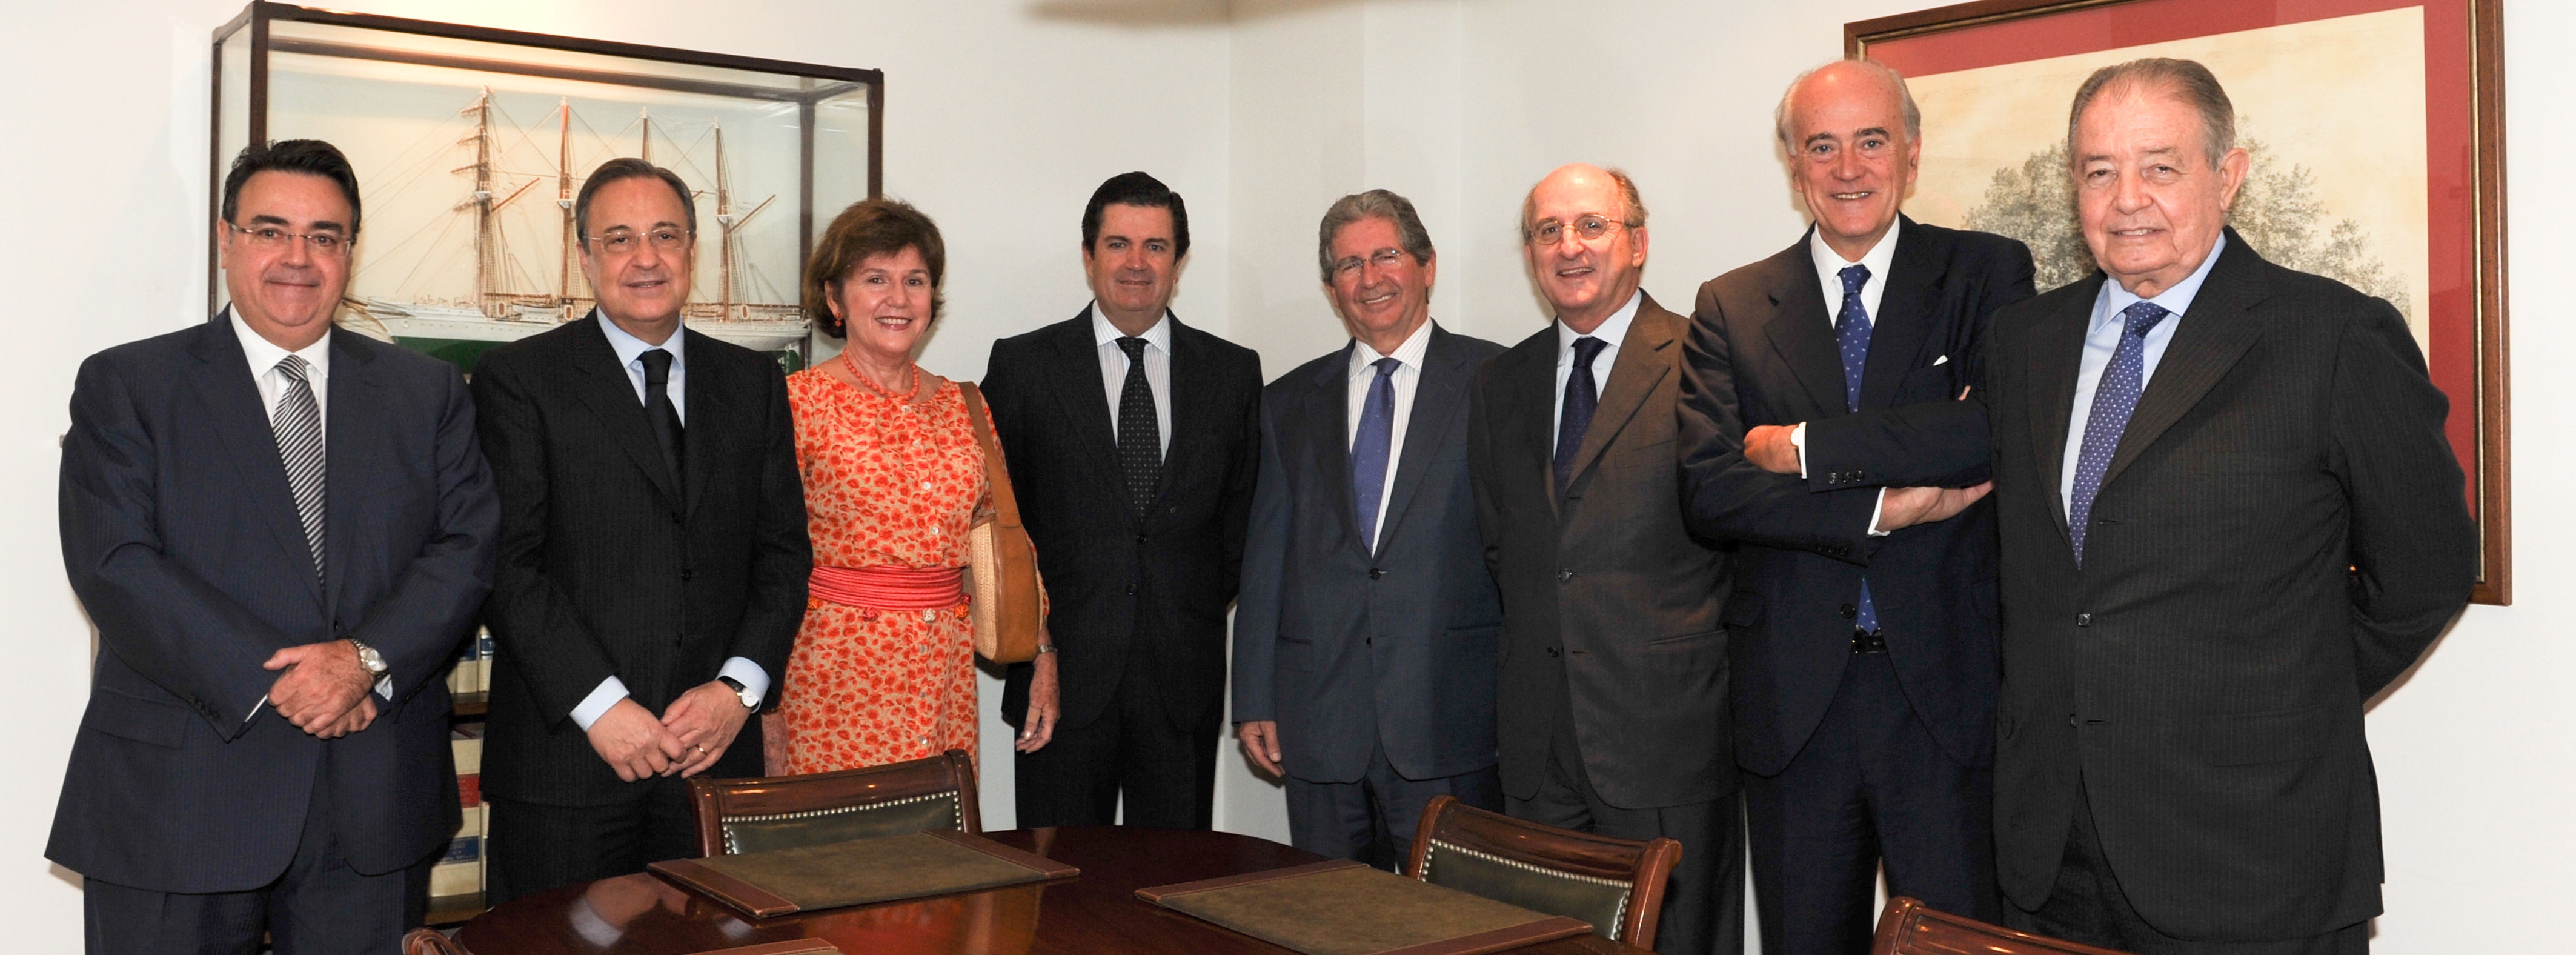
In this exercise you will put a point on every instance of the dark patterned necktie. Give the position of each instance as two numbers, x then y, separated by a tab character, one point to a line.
1851	334
1581	399
667	430
1140	437
1371	448
298	424
2113	399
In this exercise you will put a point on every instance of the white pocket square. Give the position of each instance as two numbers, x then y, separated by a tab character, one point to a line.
1943	360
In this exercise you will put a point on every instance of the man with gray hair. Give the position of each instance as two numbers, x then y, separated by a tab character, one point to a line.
1364	632
1819	384
2228	518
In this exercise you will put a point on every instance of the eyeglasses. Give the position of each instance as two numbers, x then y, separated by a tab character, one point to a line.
1589	227
269	238
1384	259
624	242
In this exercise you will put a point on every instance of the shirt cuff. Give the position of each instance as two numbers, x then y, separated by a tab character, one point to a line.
1798	440
1874	509
754	680
385	686
596	705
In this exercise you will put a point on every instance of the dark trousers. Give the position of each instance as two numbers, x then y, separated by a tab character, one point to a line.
2087	905
1373	819
534	847
1165	773
320	906
1704	903
1871	785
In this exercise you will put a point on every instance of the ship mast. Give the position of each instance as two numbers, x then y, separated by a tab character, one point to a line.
485	246
645	116
564	199
724	220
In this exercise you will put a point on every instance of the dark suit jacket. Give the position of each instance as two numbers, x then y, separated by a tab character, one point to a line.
1118	585
606	572
1349	650
1610	608
1762	352
2281	532
181	537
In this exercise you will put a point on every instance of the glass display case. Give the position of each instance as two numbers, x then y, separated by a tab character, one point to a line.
471	143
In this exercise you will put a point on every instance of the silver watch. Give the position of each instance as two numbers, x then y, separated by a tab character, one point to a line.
750	700
369	658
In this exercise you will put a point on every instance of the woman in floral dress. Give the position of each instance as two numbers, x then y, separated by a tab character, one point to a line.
884	669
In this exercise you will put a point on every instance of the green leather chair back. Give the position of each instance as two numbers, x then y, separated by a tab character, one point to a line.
930	812
1602	902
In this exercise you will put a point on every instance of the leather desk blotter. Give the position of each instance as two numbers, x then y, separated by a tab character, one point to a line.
860	872
1345	908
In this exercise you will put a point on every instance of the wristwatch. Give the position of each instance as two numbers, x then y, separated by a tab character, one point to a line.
369	658
750	700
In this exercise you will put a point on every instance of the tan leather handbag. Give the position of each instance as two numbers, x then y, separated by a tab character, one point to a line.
1002	566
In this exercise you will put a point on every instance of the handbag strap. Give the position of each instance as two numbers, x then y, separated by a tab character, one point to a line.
1006	505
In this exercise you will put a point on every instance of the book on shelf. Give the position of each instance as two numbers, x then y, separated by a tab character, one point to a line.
482	660
466	740
460	871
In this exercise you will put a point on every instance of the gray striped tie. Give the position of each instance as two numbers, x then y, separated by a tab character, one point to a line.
299	446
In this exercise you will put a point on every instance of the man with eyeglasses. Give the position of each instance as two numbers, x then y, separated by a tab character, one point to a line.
653	554
282	532
1819	383
1613	697
1364	633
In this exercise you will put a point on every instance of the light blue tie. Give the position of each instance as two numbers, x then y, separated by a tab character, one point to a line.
1851	333
2113	399
1370	449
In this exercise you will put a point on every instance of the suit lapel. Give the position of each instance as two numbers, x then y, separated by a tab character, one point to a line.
1437	397
2056	355
231	399
352	446
1641	365
603	387
1801	330
1533	383
2214	334
1076	381
1193	380
1905	314
708	401
1328	425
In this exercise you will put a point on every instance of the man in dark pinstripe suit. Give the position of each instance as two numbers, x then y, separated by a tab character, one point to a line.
2228	518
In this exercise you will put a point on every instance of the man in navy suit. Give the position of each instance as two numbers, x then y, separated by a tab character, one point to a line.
282	531
1364	633
1864	677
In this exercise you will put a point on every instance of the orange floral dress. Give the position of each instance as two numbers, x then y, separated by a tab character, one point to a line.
886	483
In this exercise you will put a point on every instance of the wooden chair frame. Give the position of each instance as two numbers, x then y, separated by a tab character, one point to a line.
1646	865
714	799
1908	927
430	941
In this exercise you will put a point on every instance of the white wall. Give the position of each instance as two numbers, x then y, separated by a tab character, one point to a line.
1002	116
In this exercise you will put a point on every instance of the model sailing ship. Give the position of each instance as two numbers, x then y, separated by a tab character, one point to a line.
501	310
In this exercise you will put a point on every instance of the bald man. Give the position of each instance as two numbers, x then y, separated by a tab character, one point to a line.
1612	699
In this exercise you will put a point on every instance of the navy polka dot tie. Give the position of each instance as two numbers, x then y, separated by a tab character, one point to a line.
2113	400
1851	333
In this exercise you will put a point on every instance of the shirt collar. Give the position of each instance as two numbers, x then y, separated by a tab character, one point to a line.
628	347
2175	300
1829	264
1409	354
1612	330
264	354
1159	336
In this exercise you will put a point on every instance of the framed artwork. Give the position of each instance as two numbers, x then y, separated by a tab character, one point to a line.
471	145
2377	134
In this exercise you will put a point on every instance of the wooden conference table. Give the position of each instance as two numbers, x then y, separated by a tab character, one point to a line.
1096	913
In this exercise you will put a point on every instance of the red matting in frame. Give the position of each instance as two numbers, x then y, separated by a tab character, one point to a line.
2461	358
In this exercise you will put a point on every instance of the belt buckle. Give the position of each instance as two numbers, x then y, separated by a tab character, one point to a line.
1869	641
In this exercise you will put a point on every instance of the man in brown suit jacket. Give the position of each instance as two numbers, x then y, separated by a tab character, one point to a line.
1612	702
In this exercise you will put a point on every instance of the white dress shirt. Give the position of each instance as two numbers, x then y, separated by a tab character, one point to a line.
1613	330
263	356
1406	380
630	351
1829	275
1158	370
2102	339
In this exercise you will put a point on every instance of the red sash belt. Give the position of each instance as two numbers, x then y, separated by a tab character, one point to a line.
890	588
